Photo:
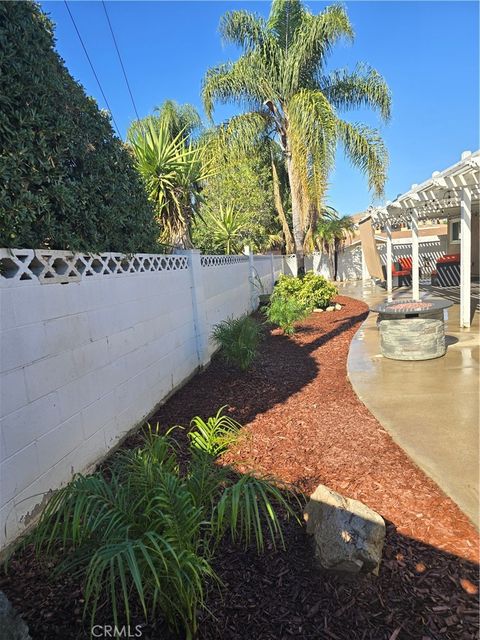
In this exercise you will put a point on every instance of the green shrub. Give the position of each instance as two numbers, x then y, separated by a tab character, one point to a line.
67	182
316	291
313	291
147	533
285	311
238	339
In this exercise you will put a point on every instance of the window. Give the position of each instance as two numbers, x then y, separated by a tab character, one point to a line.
454	228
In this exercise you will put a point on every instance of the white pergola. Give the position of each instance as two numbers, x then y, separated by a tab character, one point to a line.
446	194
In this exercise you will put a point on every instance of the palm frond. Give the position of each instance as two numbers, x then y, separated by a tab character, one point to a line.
313	137
313	42
363	87
247	506
244	29
238	339
215	435
145	534
366	150
241	134
284	19
238	82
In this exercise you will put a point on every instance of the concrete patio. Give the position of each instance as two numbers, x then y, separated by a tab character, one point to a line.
430	407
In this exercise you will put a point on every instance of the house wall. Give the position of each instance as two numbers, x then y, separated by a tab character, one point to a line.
90	345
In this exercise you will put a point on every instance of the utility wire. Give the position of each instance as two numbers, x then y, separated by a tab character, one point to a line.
93	69
120	59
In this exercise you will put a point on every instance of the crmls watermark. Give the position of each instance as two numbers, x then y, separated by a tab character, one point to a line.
112	631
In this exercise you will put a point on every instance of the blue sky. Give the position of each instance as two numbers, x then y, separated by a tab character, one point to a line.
427	52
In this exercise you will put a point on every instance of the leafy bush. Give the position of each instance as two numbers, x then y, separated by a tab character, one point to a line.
313	291
238	339
147	533
285	311
67	182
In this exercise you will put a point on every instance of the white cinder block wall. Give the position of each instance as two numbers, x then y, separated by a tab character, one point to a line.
90	345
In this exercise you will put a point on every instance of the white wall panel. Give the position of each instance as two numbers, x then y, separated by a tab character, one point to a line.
86	355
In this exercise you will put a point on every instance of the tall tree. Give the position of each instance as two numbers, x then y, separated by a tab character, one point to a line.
282	80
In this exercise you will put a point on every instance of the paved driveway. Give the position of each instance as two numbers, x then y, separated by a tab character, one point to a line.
431	407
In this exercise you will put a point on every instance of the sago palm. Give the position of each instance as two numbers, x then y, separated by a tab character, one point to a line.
282	82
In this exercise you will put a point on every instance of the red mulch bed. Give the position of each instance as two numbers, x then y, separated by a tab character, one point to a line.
305	425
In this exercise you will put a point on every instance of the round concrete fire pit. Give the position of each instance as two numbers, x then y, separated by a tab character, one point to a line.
412	329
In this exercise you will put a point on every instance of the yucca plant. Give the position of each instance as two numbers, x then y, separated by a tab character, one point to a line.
145	536
227	228
238	339
173	170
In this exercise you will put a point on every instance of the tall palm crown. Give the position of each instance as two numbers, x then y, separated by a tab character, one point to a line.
281	80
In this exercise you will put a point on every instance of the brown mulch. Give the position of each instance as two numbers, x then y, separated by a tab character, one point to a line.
305	425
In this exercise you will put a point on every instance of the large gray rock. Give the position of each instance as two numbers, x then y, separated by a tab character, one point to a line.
348	535
12	626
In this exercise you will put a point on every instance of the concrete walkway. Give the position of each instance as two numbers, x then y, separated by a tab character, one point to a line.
431	407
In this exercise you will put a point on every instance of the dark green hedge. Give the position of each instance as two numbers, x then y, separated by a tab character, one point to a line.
66	181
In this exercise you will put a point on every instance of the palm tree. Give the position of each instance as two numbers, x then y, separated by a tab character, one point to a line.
331	234
281	80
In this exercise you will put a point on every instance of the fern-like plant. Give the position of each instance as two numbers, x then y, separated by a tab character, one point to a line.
146	534
238	339
215	435
285	311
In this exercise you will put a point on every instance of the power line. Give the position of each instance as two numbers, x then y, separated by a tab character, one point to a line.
93	69
120	59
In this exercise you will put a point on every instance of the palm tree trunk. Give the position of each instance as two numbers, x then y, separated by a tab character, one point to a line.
297	217
277	197
331	256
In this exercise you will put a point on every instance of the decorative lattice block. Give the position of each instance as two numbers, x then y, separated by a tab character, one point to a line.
24	265
219	261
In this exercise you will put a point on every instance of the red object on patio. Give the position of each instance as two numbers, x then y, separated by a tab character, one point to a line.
404	267
447	272
452	258
405	263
